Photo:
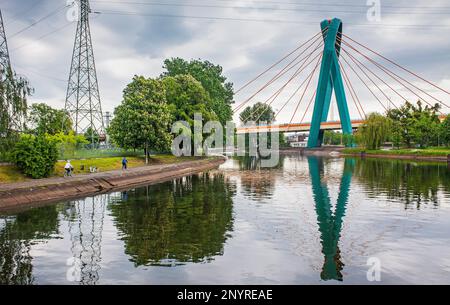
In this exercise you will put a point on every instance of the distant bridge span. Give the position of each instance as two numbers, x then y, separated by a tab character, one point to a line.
299	127
302	127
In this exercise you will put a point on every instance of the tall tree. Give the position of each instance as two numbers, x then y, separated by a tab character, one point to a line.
415	124
14	91
375	131
212	79
445	131
47	120
258	113
186	96
142	120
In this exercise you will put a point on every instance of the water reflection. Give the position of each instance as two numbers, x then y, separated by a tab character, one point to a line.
412	183
85	221
17	235
187	220
330	224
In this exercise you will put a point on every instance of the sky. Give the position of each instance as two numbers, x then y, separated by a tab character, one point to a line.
134	37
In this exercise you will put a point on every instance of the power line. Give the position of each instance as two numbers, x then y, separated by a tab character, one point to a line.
339	4
42	37
56	11
409	12
211	18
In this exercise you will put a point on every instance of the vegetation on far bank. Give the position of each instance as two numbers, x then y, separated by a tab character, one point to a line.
426	152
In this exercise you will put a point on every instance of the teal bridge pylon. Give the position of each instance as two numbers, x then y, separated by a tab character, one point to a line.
329	78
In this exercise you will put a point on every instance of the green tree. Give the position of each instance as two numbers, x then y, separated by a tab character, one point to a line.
258	113
47	120
375	131
92	136
67	143
186	96
211	77
444	133
142	120
415	124
14	91
35	156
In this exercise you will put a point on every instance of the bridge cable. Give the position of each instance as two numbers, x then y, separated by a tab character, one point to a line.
365	84
401	67
350	89
377	76
309	105
390	73
275	96
278	62
373	82
306	88
281	73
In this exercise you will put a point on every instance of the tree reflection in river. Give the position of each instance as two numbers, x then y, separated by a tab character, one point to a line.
412	183
186	220
17	235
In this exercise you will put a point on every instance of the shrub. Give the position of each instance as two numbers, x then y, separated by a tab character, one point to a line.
35	156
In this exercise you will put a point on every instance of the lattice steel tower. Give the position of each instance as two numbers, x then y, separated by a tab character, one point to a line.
4	54
83	98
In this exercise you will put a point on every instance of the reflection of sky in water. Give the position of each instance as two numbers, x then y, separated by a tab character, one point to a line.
271	235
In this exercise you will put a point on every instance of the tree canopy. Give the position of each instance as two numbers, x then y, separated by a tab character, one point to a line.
258	113
415	124
212	79
47	120
142	120
186	96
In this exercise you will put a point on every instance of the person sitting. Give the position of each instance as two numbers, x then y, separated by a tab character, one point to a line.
68	169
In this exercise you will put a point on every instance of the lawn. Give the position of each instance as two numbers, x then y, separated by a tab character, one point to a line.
10	174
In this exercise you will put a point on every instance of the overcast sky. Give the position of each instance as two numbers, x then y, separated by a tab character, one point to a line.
135	36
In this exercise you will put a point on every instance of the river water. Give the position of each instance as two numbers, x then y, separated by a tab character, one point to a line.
311	220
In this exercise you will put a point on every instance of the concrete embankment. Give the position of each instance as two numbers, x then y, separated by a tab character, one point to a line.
44	191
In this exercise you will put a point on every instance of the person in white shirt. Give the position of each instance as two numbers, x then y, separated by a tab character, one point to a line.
68	167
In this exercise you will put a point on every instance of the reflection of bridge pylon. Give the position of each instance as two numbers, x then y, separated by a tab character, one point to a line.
85	229
330	225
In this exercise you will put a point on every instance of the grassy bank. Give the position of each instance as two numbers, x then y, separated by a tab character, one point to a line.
10	174
427	152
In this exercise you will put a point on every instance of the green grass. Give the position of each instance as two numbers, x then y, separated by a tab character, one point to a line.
427	152
99	153
10	174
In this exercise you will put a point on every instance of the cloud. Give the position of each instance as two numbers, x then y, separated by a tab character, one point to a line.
138	43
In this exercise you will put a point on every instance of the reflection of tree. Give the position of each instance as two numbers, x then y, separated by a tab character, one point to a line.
17	235
330	224
186	220
85	229
409	182
257	182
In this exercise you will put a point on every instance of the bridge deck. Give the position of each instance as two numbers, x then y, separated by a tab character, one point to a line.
298	127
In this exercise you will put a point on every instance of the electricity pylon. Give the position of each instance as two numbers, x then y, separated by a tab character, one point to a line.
83	98
4	54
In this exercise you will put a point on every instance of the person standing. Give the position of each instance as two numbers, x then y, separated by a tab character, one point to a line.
124	163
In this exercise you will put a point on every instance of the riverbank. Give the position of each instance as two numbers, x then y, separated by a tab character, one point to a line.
38	192
435	155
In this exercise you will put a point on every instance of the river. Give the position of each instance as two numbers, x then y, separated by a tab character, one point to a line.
311	220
